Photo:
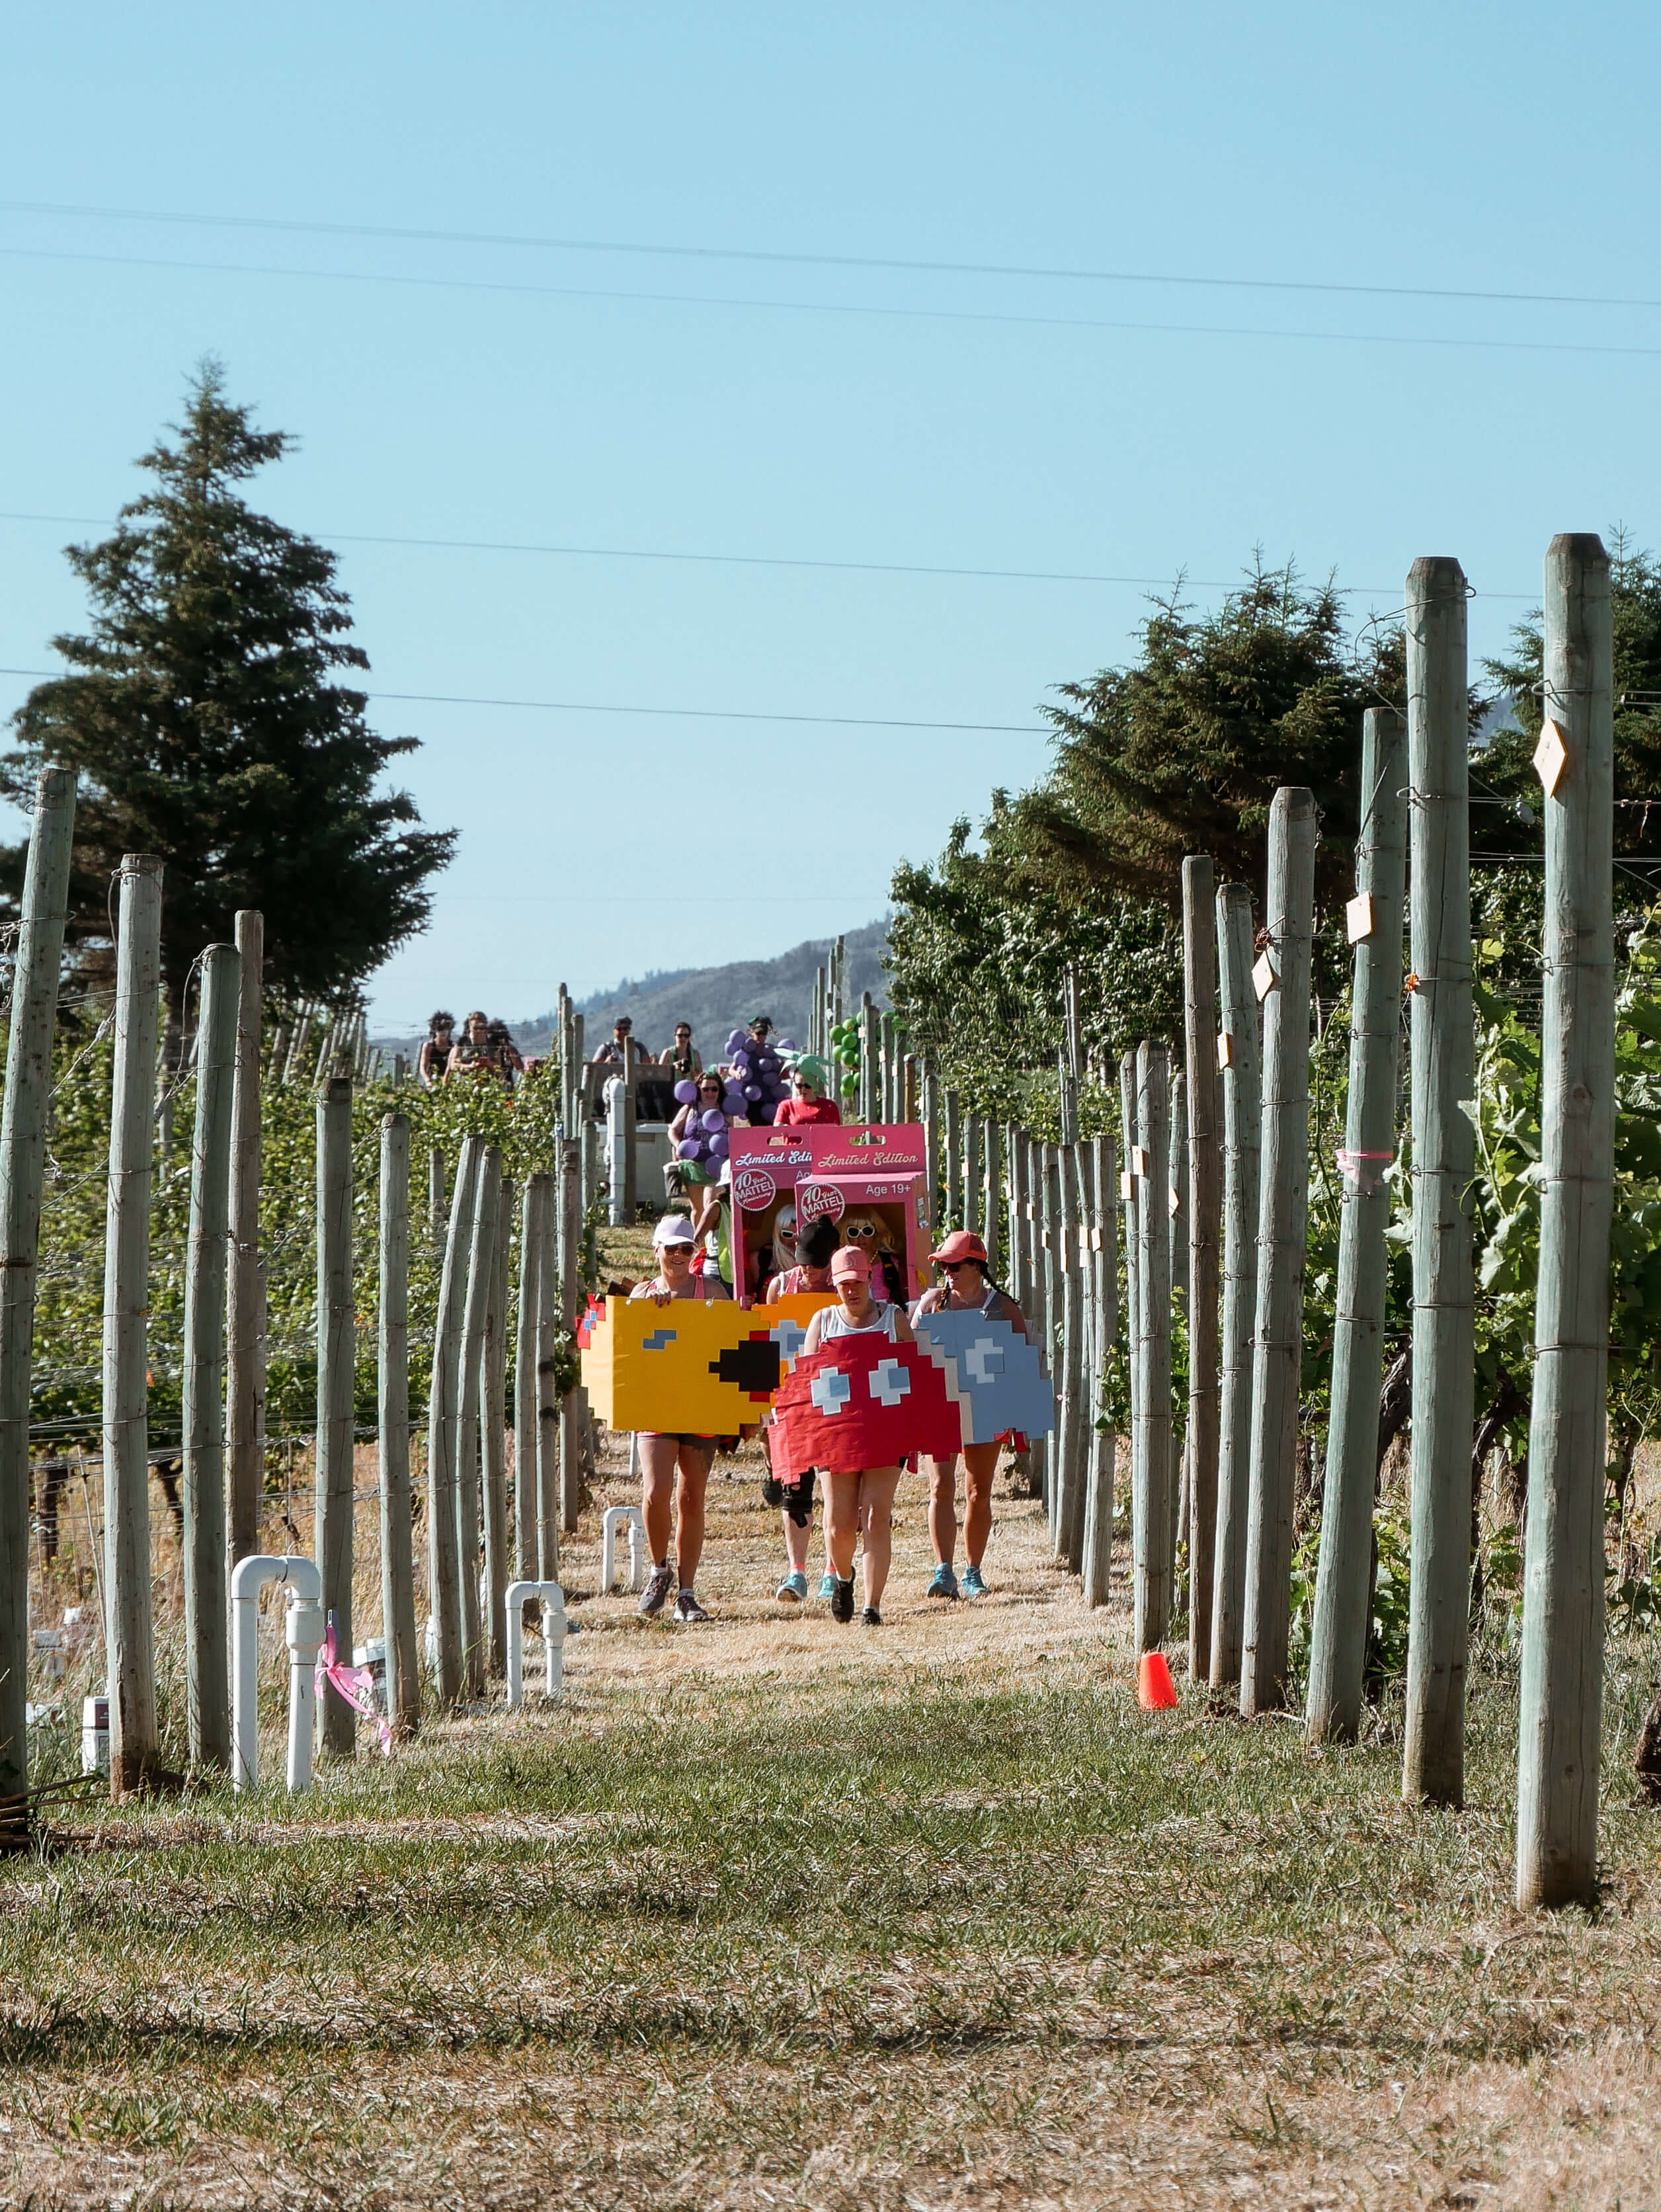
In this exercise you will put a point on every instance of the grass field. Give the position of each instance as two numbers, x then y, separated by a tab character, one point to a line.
780	1913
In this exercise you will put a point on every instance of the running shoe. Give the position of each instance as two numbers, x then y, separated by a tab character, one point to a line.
827	1588
973	1584
655	1595
687	1608
944	1584
793	1591
871	1617
842	1602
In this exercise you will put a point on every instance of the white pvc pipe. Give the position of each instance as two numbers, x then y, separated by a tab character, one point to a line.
552	1598
632	1518
303	1632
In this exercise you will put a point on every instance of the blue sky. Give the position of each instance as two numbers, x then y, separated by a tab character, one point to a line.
693	403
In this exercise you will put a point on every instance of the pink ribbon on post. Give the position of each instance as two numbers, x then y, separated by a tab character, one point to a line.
356	1685
1350	1163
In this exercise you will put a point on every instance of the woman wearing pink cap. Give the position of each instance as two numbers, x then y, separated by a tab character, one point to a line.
968	1288
862	1503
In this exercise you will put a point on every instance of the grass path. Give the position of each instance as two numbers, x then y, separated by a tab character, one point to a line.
780	1913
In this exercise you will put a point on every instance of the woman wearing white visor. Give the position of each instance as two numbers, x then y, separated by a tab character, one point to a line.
674	1467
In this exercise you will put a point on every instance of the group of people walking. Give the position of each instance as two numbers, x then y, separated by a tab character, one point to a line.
858	1507
483	1047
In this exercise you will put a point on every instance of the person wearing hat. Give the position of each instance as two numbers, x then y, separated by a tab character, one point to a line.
807	1101
614	1050
859	1504
675	1466
968	1288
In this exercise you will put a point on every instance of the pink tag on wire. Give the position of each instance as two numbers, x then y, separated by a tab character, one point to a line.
356	1685
1350	1164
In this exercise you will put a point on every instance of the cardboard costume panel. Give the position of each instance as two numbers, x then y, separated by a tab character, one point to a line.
860	1402
688	1368
992	1374
875	1173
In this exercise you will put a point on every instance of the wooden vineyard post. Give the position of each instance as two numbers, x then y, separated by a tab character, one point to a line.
435	1218
911	1088
443	1440
1067	1520
992	1214
1242	1106
932	1141
1150	1462
481	1274
1204	1229
558	1318
493	1430
542	1477
1049	1184
207	1598
1562	1684
1282	1220
23	1163
1443	1052
245	1412
1176	1213
1130	1193
870	1060
1104	1444
971	1193
337	1379
1338	1651
533	1208
133	1739
628	1197
398	1563
1015	1150
953	1215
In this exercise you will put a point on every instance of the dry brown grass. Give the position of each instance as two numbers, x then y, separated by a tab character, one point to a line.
776	1913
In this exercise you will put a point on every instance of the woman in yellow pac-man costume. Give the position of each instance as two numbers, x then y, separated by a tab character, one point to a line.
675	1464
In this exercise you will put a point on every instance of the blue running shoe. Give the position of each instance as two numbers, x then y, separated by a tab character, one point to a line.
944	1584
793	1591
826	1586
973	1584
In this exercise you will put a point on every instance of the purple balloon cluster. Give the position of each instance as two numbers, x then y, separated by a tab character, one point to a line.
758	1072
706	1140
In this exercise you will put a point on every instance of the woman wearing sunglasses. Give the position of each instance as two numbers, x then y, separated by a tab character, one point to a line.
699	1174
968	1288
675	1466
807	1101
859	1504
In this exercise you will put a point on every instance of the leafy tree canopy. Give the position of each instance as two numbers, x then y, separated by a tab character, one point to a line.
205	727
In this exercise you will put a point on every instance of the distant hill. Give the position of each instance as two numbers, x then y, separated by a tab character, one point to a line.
715	1000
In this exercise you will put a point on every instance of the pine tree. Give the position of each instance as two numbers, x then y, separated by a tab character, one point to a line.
205	726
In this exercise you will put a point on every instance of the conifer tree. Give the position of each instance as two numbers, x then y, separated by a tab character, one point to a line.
204	718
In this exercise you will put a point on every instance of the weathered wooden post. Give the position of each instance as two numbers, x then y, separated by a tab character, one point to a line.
971	1193
208	1687
1338	1636
245	1412
397	1563
1562	1685
911	1088
1176	1213
1443	1048
570	1410
1015	1149
954	1161
631	1196
1048	1461
22	1160
532	1209
1204	1226
336	1381
443	1440
1104	1444
992	1214
1067	1522
493	1425
435	1192
1242	1103
932	1140
480	1272
1150	1462
1130	1187
133	1739
541	1493
870	1061
1282	1220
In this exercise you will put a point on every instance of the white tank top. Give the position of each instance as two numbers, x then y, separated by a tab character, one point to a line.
833	1322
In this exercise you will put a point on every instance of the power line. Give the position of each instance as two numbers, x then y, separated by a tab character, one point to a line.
987	316
676	714
759	560
793	258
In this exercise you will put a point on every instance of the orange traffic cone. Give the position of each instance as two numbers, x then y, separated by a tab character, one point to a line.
1155	1690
